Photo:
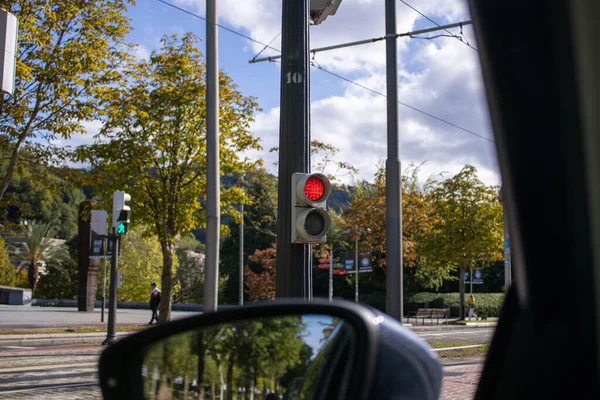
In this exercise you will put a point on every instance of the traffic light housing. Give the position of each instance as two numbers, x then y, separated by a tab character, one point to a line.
121	212
310	219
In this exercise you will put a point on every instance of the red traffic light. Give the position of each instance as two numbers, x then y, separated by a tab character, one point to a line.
314	188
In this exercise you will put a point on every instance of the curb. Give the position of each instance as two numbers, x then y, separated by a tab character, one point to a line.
55	338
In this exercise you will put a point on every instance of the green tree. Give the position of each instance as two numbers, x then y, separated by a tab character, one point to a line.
189	277
260	217
38	248
140	262
69	52
8	273
60	280
40	193
469	227
153	144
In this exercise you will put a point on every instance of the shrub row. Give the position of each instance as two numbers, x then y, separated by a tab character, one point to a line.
488	304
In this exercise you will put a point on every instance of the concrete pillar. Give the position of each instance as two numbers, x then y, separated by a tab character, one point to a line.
87	271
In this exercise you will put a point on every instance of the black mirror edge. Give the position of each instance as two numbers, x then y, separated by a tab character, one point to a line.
118	380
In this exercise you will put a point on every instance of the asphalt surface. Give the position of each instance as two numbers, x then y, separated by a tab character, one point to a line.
70	373
467	334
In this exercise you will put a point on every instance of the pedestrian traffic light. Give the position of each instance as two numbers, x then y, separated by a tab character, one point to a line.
121	212
310	219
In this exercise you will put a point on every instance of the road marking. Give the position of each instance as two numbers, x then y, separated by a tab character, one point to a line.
457	332
16	347
471	346
49	387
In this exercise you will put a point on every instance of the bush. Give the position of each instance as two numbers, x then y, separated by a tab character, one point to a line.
488	304
8	273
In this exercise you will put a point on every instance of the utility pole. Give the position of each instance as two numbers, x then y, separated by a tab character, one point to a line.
105	244
393	217
242	252
292	278
213	192
331	274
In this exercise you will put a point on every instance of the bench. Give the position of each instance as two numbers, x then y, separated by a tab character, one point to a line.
431	313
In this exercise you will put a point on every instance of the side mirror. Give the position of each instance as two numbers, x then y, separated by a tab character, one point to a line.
282	350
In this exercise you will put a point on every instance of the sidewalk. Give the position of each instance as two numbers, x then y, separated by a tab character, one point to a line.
31	317
43	339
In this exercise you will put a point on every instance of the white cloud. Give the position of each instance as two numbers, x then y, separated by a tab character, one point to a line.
440	76
141	52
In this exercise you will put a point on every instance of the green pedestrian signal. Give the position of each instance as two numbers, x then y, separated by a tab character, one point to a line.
122	229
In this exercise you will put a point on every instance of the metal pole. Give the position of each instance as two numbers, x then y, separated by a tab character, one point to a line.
356	270
331	274
507	255
104	283
293	260
112	301
212	147
242	254
393	218
471	280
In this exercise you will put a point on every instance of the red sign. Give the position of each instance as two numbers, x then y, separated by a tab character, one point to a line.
323	266
323	260
339	272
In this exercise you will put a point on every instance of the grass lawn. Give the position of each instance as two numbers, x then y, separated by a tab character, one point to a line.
459	353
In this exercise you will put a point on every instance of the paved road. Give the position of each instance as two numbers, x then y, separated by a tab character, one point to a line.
49	373
70	373
460	382
476	335
28	317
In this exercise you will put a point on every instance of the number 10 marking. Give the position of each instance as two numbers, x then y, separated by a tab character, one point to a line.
295	77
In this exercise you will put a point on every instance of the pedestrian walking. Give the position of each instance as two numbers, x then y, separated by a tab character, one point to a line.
472	307
154	302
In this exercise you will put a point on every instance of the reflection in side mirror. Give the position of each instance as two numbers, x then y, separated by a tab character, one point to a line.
271	357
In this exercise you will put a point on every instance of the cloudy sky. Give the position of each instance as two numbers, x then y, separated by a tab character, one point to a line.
440	76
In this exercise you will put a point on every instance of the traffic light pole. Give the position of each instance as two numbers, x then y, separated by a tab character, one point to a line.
112	302
293	260
105	245
393	217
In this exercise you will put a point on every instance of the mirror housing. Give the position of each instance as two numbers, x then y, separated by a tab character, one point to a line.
385	360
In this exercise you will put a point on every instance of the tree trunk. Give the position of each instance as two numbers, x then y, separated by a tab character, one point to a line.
15	153
201	364
461	290
185	387
33	275
230	377
11	167
168	250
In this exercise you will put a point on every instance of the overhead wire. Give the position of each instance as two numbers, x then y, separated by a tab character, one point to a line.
460	38
403	104
315	65
264	48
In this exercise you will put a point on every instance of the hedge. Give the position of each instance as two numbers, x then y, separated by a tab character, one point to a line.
488	304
